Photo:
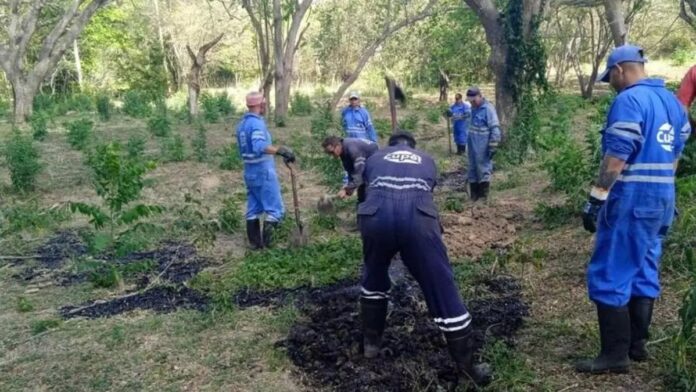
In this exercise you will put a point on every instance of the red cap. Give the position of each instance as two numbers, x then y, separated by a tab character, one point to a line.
254	98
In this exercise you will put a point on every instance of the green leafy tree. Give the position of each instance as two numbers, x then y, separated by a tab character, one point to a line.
22	159
118	180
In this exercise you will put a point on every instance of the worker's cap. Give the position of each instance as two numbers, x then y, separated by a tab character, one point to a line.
354	95
402	137
623	54
473	91
254	98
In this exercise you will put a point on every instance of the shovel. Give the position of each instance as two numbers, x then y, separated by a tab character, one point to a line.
325	204
299	237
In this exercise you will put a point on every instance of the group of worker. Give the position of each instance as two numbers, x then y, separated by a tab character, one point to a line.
631	208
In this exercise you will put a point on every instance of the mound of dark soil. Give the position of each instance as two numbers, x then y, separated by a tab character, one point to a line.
160	299
326	343
176	262
456	180
60	247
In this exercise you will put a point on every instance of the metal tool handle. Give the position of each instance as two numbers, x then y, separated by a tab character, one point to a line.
295	199
449	135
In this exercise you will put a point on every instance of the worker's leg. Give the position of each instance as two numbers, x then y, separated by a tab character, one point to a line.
379	248
254	210
474	156
272	204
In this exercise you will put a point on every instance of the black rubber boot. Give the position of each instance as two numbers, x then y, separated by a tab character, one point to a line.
461	347
461	149
614	331
374	316
640	309
484	187
253	228
268	229
474	192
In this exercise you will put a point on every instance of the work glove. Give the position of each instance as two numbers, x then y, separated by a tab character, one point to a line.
448	113
590	211
286	153
492	149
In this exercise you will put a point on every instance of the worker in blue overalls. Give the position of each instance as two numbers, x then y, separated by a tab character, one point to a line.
460	112
484	137
356	120
631	207
399	216
263	188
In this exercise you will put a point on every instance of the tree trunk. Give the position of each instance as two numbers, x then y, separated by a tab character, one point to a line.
193	100
194	80
78	63
616	20
444	86
23	95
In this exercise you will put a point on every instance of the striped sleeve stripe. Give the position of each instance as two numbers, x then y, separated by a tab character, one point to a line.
649	166
627	126
623	133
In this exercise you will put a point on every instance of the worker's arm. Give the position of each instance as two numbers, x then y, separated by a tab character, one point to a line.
371	134
494	127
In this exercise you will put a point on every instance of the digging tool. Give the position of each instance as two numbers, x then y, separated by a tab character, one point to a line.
449	135
325	204
395	94
299	237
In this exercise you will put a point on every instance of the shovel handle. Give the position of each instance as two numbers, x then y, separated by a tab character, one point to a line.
295	199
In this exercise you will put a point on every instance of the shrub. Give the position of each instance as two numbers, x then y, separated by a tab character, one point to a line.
22	159
300	105
136	104
434	115
79	102
231	160
118	180
211	110
24	305
103	107
79	133
135	147
159	123
225	106
30	216
382	127
230	216
43	103
172	149
200	143
39	125
409	123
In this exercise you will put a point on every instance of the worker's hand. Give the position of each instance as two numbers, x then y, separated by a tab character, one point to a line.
286	153
447	113
342	194
590	211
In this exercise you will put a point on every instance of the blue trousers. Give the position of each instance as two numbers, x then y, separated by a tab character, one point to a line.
460	134
407	223
630	229
263	193
480	166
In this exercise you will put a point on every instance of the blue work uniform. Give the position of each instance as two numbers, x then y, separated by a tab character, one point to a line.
399	216
647	128
353	157
263	188
357	123
461	114
484	129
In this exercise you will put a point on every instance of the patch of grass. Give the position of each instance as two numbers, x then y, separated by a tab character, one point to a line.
172	149
230	216
325	222
409	122
106	275
382	127
29	215
24	305
454	204
434	115
40	326
553	216
511	372
317	264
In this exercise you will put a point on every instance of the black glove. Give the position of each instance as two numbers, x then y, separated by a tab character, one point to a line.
286	153
590	213
448	113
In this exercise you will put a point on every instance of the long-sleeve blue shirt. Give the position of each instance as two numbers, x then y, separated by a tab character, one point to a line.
357	123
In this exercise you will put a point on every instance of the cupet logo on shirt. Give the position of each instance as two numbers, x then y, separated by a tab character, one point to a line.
665	136
403	157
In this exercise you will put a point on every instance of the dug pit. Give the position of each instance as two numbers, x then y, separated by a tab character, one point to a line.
325	343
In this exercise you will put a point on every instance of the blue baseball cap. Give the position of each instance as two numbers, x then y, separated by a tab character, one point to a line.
622	54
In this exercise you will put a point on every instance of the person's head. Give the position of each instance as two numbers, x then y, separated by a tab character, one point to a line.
625	66
256	103
354	99
458	97
402	138
333	145
473	95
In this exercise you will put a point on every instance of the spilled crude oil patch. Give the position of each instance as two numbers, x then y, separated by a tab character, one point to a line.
455	180
59	248
161	299
325	343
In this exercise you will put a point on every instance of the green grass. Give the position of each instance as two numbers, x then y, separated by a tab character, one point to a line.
512	373
40	326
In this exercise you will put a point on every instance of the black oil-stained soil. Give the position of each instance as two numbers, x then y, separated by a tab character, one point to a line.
161	299
455	180
59	248
326	343
176	262
246	297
